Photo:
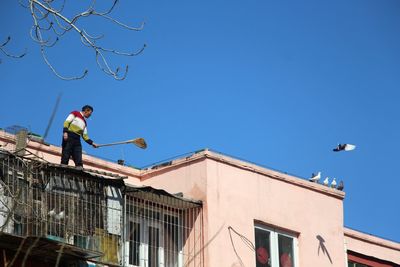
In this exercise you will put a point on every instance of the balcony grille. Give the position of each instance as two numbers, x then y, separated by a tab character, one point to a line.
98	215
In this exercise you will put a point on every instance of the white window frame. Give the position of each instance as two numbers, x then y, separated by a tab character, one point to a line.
145	223
133	220
157	225
274	245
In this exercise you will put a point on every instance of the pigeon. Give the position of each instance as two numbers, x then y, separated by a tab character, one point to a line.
60	216
344	147
340	186
315	177
326	181
52	213
333	184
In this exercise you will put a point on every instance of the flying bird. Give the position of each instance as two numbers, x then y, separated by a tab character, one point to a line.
315	177
340	186
333	184
344	147
326	181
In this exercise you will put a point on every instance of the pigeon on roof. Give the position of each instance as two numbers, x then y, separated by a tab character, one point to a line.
326	181
315	177
344	147
340	186
333	184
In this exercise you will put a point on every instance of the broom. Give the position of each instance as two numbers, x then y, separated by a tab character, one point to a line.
139	142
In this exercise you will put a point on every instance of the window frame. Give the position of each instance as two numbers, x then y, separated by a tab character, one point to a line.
144	224
274	234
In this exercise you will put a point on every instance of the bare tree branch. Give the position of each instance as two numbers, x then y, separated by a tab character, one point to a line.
6	42
56	73
2	49
49	21
120	23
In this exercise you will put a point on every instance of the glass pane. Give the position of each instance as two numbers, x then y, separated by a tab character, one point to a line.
285	245
263	250
154	237
134	243
171	242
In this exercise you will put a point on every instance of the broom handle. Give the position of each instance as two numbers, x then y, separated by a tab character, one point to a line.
116	143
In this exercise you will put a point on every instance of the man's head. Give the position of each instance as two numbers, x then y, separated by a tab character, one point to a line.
87	111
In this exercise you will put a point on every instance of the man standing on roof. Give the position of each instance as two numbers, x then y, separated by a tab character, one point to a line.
74	128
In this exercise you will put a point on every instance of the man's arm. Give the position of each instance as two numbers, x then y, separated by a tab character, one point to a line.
85	137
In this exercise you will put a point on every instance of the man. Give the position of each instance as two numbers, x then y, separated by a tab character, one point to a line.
74	128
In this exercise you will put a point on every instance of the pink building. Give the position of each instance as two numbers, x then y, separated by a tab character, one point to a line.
207	209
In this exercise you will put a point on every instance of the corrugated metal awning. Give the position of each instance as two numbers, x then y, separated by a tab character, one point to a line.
161	196
104	177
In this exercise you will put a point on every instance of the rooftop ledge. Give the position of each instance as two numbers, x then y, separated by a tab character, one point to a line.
216	156
94	162
34	147
371	239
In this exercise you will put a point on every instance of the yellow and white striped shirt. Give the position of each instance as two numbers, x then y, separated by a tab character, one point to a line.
76	123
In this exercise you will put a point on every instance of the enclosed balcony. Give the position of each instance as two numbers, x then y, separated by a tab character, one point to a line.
62	215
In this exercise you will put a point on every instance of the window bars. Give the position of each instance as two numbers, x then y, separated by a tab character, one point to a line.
97	214
162	233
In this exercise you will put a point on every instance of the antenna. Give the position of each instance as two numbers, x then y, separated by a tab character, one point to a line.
52	116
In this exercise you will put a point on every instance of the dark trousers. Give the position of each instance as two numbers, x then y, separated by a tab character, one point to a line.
72	147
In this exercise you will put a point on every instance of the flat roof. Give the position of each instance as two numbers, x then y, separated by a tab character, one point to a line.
241	164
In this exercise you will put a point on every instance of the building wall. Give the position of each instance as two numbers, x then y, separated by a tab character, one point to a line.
188	178
372	246
236	194
236	197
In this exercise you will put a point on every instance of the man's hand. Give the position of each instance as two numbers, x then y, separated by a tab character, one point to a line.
95	145
65	136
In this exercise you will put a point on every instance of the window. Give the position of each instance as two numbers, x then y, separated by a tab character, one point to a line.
134	243
154	237
172	246
274	248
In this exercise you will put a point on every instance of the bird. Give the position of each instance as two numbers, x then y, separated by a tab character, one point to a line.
340	186
52	213
326	181
333	184
344	147
60	216
315	177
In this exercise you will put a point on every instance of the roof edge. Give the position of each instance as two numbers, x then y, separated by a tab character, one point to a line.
371	239
242	164
157	191
89	160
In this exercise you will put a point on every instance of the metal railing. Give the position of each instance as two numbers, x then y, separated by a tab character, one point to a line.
96	214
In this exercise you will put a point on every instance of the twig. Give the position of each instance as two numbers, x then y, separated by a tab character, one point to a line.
48	19
7	53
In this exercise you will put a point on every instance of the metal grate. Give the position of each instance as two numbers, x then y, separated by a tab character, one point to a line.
60	205
127	228
158	234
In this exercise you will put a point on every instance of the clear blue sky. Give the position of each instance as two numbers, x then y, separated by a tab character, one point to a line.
278	83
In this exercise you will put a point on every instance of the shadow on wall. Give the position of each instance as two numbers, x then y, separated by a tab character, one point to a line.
205	245
322	247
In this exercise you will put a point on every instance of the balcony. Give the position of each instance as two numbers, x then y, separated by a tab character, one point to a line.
61	215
